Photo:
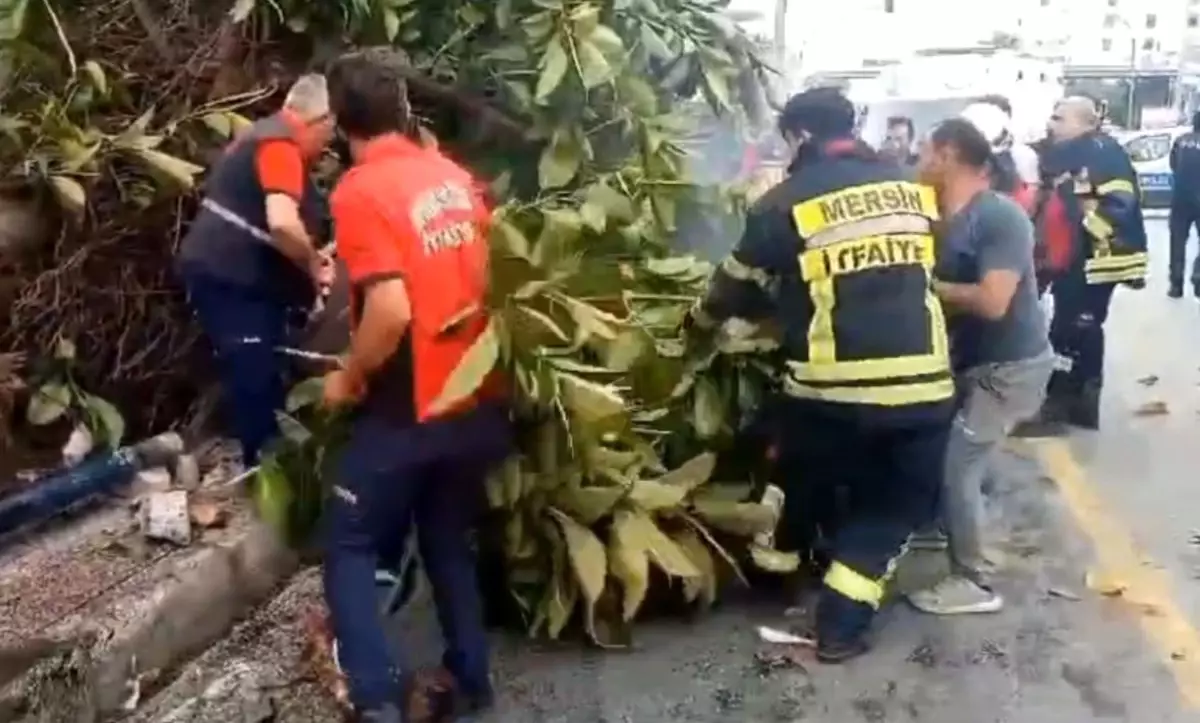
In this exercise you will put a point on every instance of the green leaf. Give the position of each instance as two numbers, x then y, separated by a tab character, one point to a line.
774	561
744	519
628	561
391	24
64	349
241	10
96	75
471	372
607	40
718	87
639	94
509	239
106	420
553	69
708	411
176	170
615	204
587	555
588	504
653	496
560	160
593	215
594	68
220	123
589	402
69	194
48	404
691	474
504	14
12	19
305	394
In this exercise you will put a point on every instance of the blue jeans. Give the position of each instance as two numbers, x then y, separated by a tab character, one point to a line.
386	479
244	328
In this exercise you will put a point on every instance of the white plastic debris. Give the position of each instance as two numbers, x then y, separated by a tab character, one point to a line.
165	516
782	637
78	446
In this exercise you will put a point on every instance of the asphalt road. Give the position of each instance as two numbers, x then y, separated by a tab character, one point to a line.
1110	510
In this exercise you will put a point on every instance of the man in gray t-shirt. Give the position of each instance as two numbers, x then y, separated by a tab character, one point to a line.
1002	357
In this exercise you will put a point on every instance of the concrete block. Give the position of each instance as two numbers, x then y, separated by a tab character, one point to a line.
165	516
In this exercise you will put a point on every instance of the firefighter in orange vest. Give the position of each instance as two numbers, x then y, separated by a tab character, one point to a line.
1091	239
411	230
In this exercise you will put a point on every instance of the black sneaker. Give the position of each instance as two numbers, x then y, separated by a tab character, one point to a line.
1175	291
836	652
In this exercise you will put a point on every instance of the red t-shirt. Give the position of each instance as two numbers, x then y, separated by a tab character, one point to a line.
408	212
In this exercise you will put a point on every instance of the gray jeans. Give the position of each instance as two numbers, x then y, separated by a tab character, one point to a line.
996	397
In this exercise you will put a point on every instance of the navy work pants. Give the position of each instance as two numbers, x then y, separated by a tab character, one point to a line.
892	477
1077	334
387	479
244	328
1185	215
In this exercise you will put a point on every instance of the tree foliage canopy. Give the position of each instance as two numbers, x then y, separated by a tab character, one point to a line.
583	116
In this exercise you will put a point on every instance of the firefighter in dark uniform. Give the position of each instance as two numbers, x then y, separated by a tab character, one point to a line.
838	256
1091	239
250	263
1185	206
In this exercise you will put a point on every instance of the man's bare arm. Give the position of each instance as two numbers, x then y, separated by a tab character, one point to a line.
288	231
989	299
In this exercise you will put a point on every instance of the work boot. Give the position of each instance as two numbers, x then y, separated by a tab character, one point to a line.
1175	291
1085	408
445	699
1050	421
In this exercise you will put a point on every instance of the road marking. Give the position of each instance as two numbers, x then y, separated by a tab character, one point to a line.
1149	592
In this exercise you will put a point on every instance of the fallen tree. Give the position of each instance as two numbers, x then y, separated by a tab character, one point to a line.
580	114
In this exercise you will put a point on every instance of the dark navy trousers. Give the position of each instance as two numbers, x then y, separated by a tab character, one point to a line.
387	479
244	327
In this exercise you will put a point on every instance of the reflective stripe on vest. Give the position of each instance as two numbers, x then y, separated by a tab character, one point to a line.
877	227
234	219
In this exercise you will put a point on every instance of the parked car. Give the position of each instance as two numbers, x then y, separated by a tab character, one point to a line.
1150	152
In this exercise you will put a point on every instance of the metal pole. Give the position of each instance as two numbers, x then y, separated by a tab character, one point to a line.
1129	112
781	8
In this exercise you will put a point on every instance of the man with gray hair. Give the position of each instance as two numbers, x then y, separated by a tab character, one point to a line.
250	259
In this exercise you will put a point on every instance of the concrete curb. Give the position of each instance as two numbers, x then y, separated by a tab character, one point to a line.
89	676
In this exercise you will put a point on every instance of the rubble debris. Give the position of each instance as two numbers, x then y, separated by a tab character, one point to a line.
78	446
1063	593
165	516
1152	409
152	481
207	514
240	696
1106	585
187	472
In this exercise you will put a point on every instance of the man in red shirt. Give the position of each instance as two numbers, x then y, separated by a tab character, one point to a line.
411	230
250	259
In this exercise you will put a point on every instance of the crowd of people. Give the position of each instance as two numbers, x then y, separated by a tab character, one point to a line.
906	285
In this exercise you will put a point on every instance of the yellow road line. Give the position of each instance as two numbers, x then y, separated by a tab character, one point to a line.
1148	589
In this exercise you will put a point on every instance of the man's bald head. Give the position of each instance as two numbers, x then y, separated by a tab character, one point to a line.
1073	117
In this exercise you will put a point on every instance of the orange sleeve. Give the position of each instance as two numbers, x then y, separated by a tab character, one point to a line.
365	242
280	168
